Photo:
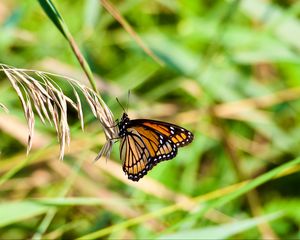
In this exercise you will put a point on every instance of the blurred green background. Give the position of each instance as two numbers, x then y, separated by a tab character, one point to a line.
230	73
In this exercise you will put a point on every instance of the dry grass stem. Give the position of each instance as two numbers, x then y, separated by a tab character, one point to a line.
38	90
117	15
229	109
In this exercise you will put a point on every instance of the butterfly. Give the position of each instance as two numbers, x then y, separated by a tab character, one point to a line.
145	143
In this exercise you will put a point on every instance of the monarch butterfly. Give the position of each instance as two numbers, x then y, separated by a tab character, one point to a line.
145	143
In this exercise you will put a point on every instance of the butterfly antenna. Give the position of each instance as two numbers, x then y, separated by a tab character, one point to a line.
128	97
120	104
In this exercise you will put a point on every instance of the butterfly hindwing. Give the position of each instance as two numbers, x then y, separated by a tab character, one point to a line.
141	149
135	156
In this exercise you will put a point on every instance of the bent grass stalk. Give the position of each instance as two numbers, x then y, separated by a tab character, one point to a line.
38	90
102	112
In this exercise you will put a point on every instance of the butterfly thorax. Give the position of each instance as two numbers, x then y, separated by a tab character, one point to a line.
123	125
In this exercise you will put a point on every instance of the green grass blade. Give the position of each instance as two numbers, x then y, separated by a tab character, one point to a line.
78	201
256	182
233	194
14	212
57	19
222	231
54	15
52	211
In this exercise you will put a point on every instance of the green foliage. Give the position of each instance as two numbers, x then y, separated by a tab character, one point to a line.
229	73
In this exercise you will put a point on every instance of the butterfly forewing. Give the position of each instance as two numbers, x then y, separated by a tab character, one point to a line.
178	135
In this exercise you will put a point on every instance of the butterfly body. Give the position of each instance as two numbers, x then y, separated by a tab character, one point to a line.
145	143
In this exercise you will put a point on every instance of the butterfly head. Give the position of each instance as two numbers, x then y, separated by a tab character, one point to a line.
125	117
123	124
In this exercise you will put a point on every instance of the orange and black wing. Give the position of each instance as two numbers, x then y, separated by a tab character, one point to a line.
142	149
176	134
149	142
134	154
